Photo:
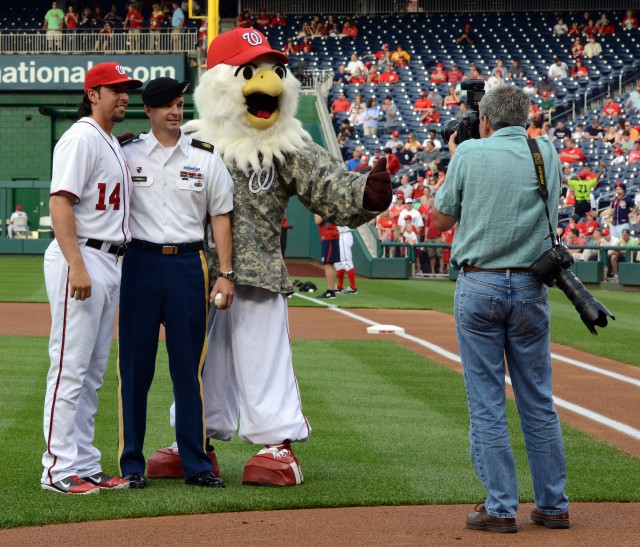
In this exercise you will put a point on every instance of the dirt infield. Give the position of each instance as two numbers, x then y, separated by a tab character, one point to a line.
594	524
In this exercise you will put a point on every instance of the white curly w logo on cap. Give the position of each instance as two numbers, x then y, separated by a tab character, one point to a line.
253	37
120	70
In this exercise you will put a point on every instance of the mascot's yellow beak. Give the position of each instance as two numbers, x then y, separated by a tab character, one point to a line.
262	93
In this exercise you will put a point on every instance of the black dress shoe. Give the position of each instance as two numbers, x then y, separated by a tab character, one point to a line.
136	480
206	478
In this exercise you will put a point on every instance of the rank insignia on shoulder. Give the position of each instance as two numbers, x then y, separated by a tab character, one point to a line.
129	138
202	145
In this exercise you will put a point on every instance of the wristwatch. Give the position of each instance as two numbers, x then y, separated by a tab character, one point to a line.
231	276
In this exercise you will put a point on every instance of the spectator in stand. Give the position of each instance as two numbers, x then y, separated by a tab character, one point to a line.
634	99
467	37
452	98
595	130
390	114
98	17
577	48
420	189
400	57
578	133
433	137
574	30
616	256
86	25
372	58
134	21
618	158
468	75
372	117
429	156
412	143
373	77
439	75
384	61
279	20
494	80
393	164
319	31
611	108
634	155
405	157
244	19
634	135
357	111
305	45
516	70
53	24
629	22
621	209
430	115
529	89
579	70
103	42
357	78
590	225
291	48
406	187
462	111
409	215
547	106
603	25
571	154
593	48
71	18
560	28
431	235
340	106
422	103
349	30
558	69
340	77
305	30
589	29
377	154
435	97
499	66
560	132
534	112
625	142
546	84
389	76
178	21
354	163
264	19
112	17
156	22
354	63
454	76
575	238
385	228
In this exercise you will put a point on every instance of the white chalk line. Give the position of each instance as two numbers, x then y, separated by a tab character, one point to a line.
571	407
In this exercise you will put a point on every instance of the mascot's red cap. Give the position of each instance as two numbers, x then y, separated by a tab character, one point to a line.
240	46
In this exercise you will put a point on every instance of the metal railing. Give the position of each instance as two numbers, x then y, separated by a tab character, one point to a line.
34	42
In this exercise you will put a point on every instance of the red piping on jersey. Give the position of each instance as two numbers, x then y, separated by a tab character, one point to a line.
55	393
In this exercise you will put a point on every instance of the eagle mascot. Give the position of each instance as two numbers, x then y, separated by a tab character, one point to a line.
246	101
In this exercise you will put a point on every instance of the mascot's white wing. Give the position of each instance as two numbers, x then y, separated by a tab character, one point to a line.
222	107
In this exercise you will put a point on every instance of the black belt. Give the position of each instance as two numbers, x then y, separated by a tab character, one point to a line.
498	270
167	249
117	250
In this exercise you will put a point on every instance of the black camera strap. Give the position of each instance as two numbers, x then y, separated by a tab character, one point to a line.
542	184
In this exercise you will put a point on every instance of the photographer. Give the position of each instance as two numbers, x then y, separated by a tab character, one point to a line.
501	307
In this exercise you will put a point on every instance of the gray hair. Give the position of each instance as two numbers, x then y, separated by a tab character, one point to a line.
505	106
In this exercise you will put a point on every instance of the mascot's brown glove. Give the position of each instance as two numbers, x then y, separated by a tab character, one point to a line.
378	192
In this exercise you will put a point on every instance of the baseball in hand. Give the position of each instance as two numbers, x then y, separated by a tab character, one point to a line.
218	300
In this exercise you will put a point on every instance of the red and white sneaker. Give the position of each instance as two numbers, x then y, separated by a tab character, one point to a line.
273	466
107	482
71	485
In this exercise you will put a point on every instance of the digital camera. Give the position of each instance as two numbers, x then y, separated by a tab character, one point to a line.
469	126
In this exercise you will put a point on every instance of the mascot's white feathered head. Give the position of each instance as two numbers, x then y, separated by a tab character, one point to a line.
246	101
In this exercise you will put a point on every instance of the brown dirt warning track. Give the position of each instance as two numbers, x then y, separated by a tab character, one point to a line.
591	385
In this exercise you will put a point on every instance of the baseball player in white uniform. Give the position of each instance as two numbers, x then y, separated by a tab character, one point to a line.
346	262
90	193
17	214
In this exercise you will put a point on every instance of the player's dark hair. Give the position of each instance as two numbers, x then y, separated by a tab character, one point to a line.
84	108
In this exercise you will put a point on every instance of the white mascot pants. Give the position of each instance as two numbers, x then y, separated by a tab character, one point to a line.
249	373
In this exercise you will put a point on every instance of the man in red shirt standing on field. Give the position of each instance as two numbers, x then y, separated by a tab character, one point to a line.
329	240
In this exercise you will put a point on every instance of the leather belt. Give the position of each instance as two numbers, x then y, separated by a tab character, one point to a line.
167	249
117	250
496	270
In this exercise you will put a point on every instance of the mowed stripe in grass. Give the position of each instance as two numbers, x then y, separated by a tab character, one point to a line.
390	427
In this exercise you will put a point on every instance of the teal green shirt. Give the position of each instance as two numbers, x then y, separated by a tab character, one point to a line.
491	186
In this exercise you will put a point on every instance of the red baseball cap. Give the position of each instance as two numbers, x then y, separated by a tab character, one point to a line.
395	133
109	74
18	207
239	46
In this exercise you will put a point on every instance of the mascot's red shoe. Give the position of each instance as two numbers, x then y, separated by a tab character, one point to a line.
166	464
273	466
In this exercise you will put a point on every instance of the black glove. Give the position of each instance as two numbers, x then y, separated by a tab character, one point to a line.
378	191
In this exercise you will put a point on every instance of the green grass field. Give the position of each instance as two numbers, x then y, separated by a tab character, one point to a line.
390	427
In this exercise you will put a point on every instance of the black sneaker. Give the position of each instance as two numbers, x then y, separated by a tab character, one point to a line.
136	480
351	290
206	479
328	294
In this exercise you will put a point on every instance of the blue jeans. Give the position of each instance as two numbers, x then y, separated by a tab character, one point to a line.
498	316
